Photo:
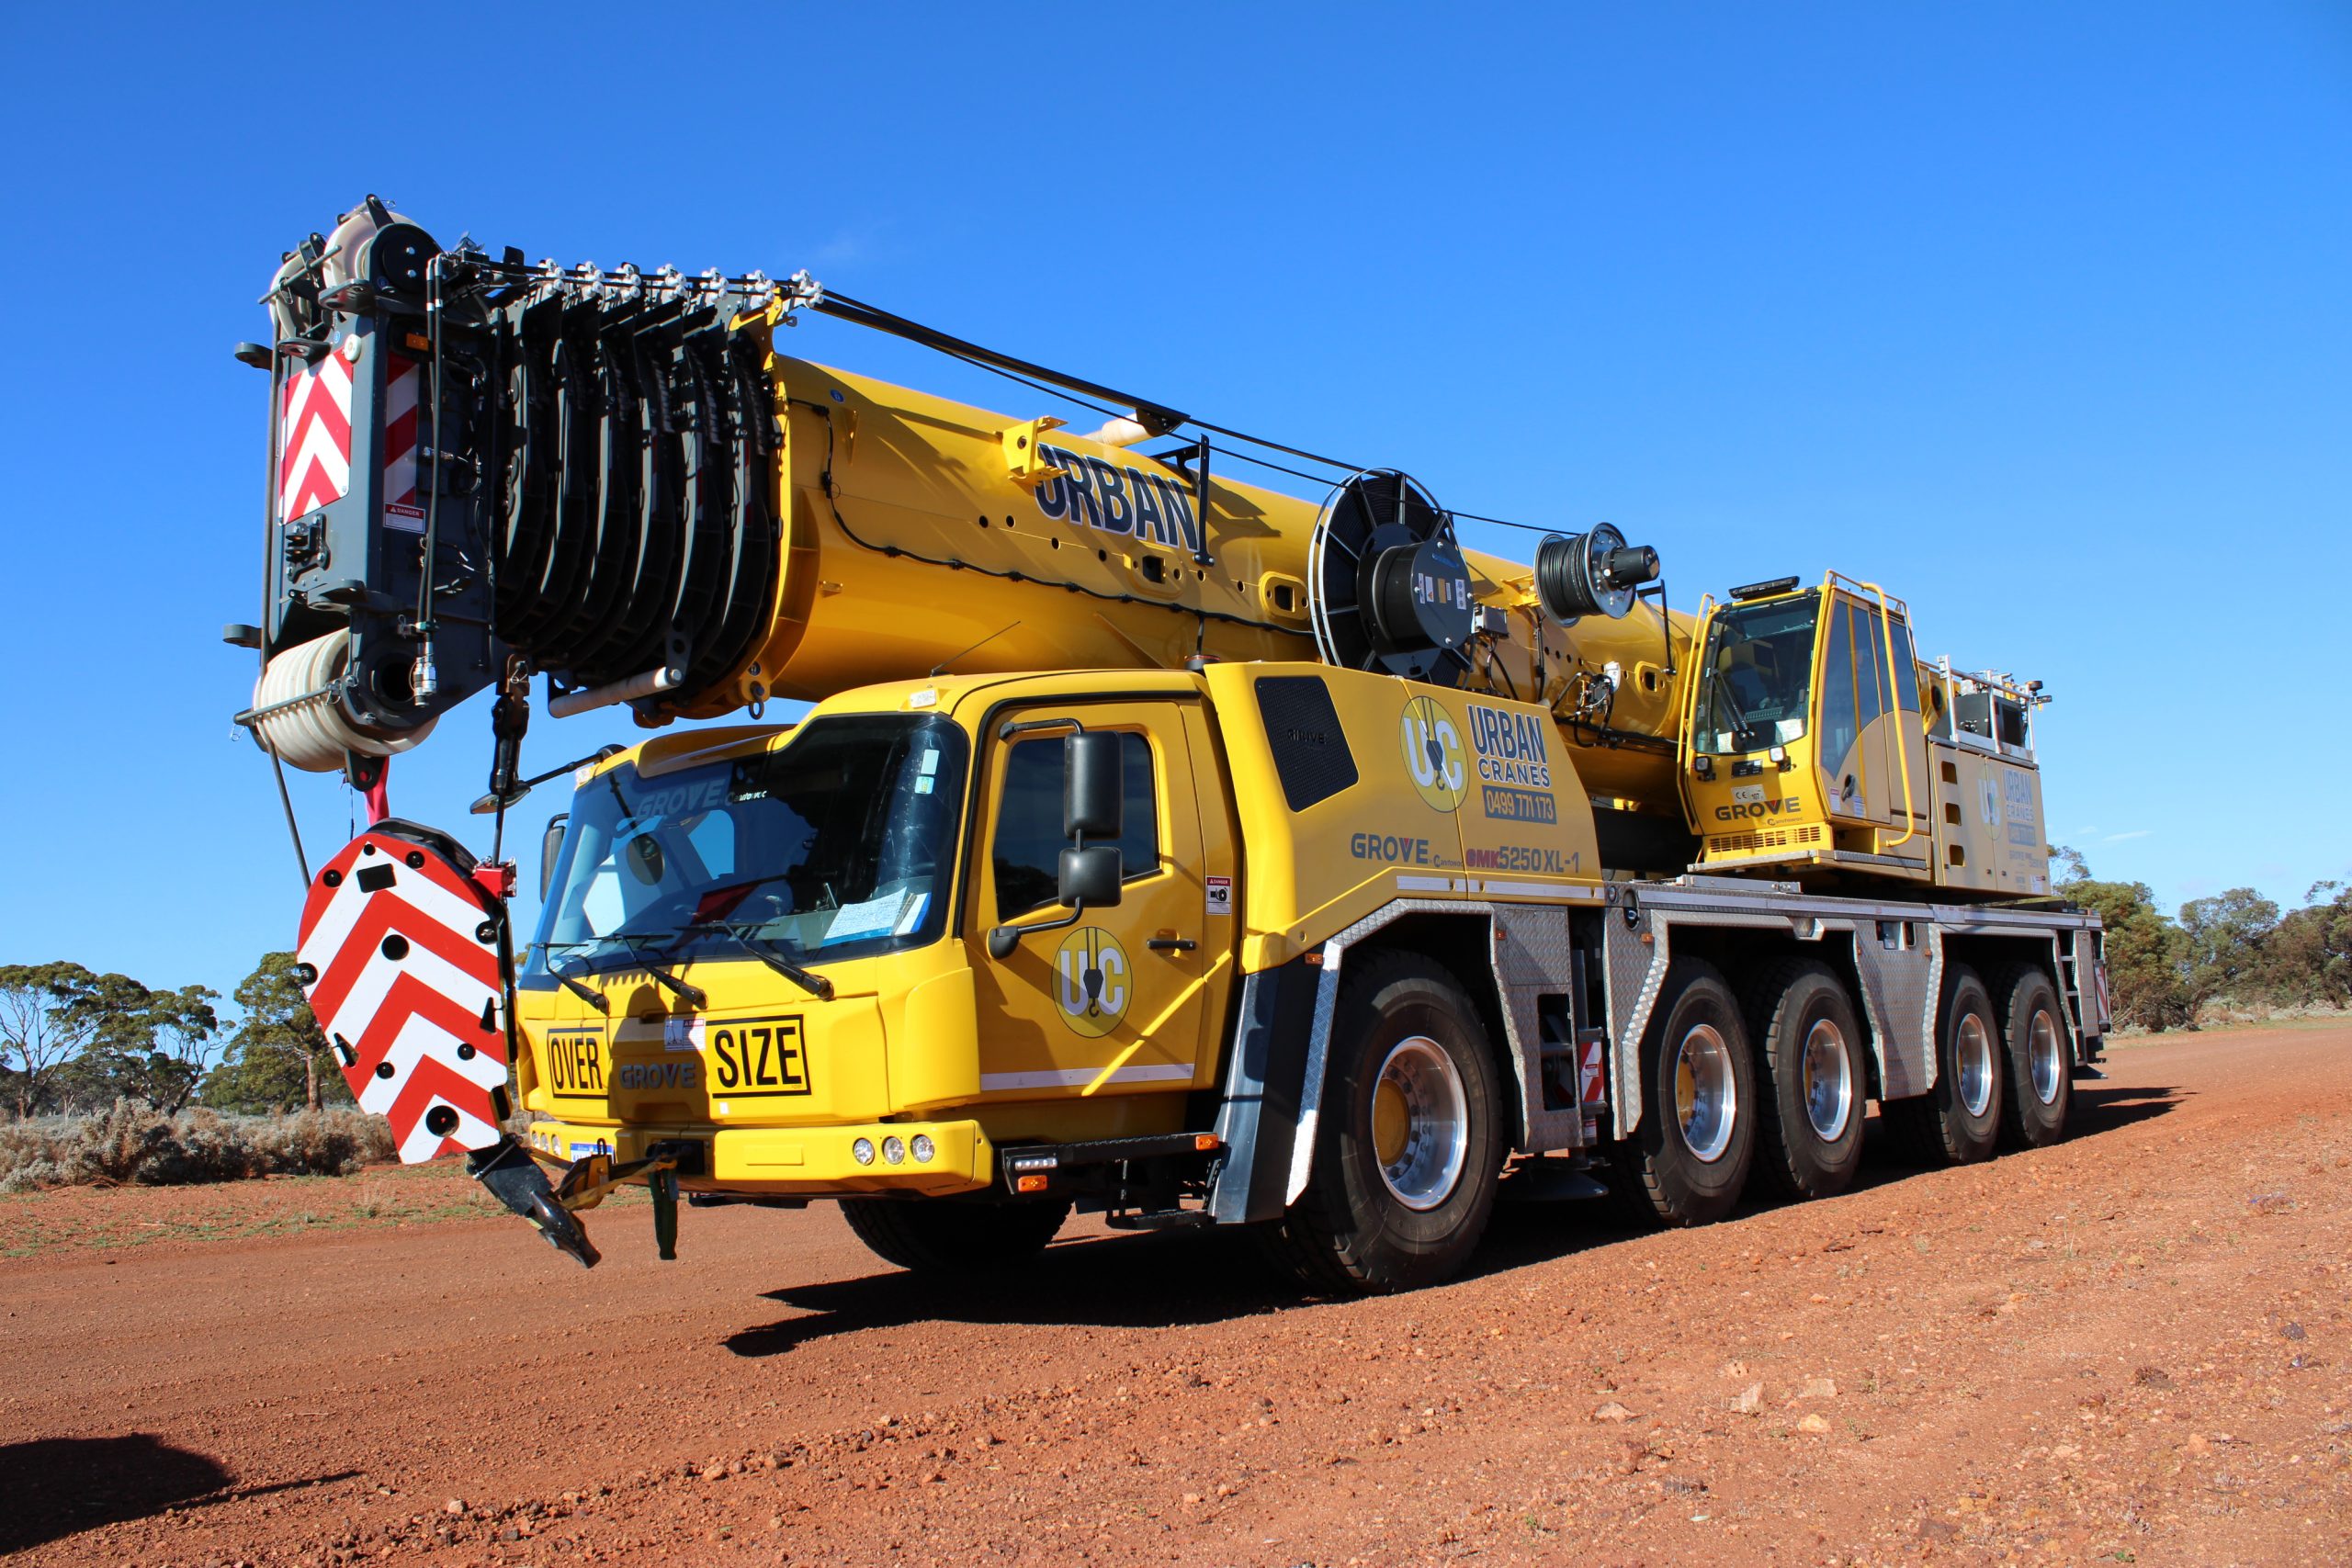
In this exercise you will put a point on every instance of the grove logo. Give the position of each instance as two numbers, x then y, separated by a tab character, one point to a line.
1092	980
1432	748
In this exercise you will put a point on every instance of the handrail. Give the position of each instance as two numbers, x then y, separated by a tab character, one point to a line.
1834	577
1689	706
1894	702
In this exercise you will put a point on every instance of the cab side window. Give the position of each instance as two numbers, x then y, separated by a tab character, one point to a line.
1870	665
1907	669
1840	726
1028	843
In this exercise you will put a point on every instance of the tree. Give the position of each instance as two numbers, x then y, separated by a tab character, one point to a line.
2307	960
144	1043
2224	943
42	1028
2145	952
278	1057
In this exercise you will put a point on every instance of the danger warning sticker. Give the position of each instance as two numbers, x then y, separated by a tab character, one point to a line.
1220	894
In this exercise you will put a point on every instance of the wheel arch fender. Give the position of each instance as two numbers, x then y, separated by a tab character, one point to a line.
1276	1071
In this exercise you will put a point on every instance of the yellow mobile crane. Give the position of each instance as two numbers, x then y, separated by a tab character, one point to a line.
1158	843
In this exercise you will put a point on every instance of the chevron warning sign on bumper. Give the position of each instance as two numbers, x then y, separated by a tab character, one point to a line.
399	956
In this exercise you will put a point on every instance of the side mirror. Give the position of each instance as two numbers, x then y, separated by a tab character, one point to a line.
1094	794
549	846
1093	786
1090	876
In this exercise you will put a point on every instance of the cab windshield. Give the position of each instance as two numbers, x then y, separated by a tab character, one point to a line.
839	844
1757	678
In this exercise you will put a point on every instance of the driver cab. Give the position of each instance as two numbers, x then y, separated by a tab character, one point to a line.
1803	740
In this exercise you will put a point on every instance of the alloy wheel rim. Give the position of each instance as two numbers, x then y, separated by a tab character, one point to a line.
1829	1081
2042	1053
1703	1099
1973	1052
1420	1123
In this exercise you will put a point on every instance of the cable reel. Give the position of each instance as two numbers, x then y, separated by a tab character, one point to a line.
298	713
1387	589
1591	574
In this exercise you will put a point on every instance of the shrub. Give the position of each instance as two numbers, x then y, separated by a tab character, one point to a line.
133	1144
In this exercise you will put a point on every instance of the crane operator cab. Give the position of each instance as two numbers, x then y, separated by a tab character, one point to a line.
1818	745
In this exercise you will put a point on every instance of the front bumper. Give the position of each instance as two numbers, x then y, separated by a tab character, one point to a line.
790	1161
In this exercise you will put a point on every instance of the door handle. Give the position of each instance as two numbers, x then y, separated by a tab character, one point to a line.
1172	944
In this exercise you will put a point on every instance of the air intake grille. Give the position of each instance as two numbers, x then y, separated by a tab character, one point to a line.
1752	844
1311	753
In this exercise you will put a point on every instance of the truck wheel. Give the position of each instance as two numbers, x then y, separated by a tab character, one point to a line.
1809	1121
941	1236
1958	1120
1688	1161
1409	1141
2041	1077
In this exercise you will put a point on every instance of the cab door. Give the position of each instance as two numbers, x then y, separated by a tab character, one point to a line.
1872	754
1848	685
1112	1003
1901	753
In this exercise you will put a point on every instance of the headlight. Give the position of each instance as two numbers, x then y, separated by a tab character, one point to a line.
862	1151
894	1151
924	1148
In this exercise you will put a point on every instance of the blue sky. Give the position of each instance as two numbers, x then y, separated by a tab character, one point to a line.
2037	314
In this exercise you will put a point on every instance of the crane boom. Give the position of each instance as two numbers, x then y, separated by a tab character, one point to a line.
620	482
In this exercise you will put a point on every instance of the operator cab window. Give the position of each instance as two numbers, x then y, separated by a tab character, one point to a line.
1028	846
1756	677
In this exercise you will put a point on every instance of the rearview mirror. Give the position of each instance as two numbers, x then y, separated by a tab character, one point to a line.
1090	876
549	845
1092	788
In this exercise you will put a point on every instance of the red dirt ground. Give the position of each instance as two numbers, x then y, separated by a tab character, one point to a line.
2133	1347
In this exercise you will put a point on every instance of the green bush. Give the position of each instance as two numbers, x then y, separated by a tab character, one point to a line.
133	1144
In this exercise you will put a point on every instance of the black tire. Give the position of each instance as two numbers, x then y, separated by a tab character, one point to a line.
2041	1070
1363	1225
1948	1125
1686	1164
1810	1047
944	1235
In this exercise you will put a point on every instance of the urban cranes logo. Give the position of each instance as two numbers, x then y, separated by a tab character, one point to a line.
1433	755
1092	980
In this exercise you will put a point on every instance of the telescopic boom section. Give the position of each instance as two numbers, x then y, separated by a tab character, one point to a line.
483	469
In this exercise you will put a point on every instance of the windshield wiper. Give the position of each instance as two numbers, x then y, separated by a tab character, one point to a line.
593	998
693	996
808	980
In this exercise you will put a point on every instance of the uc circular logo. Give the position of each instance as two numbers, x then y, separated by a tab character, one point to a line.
1092	980
1432	748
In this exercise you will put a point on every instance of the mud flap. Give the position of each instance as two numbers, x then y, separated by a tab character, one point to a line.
515	1179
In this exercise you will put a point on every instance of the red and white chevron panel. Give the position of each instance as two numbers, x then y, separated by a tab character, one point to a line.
403	379
314	434
1591	1082
408	991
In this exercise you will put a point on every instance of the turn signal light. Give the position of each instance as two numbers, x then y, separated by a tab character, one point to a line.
1204	1141
1029	1184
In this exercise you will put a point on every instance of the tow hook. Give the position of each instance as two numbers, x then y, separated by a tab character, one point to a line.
584	1185
515	1179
